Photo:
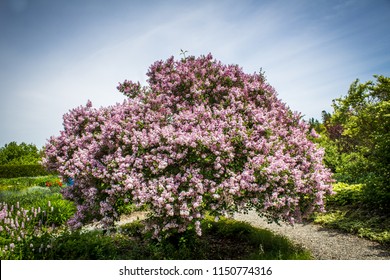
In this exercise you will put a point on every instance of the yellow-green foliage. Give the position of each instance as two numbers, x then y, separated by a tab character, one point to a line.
346	210
346	194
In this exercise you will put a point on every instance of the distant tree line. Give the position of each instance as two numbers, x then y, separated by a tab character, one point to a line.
20	160
19	154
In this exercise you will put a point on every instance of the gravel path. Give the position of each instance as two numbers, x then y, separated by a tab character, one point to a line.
323	243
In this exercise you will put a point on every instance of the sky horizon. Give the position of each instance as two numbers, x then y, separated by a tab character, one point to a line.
57	55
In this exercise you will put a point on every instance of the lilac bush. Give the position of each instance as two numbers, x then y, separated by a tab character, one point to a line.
202	137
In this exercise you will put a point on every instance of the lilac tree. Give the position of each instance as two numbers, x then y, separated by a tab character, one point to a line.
202	137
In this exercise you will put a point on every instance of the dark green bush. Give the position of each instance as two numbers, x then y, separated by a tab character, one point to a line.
26	170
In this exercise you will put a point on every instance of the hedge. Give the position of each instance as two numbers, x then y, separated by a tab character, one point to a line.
26	170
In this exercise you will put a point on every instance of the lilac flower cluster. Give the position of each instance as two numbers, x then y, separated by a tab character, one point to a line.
202	137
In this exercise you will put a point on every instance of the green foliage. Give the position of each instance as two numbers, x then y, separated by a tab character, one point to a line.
359	221
26	233
347	211
352	168
46	211
25	170
20	183
60	210
19	154
27	197
365	116
39	197
332	156
356	138
20	160
77	245
346	194
46	198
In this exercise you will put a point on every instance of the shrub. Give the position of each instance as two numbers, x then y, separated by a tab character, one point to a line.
202	137
346	194
359	129
26	170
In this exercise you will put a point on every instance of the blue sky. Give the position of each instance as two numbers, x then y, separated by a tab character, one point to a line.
55	55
